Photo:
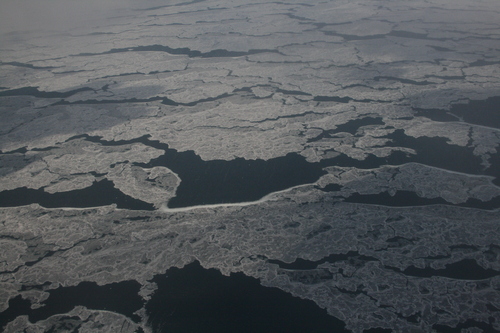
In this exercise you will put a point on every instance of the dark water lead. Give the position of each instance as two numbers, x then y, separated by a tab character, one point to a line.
194	300
99	194
218	53
119	297
240	180
303	264
486	112
431	151
32	91
221	181
479	112
437	152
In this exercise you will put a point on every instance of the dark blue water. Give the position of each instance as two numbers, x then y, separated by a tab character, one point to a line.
482	112
302	264
31	91
119	297
240	180
220	181
99	194
197	300
219	53
17	307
